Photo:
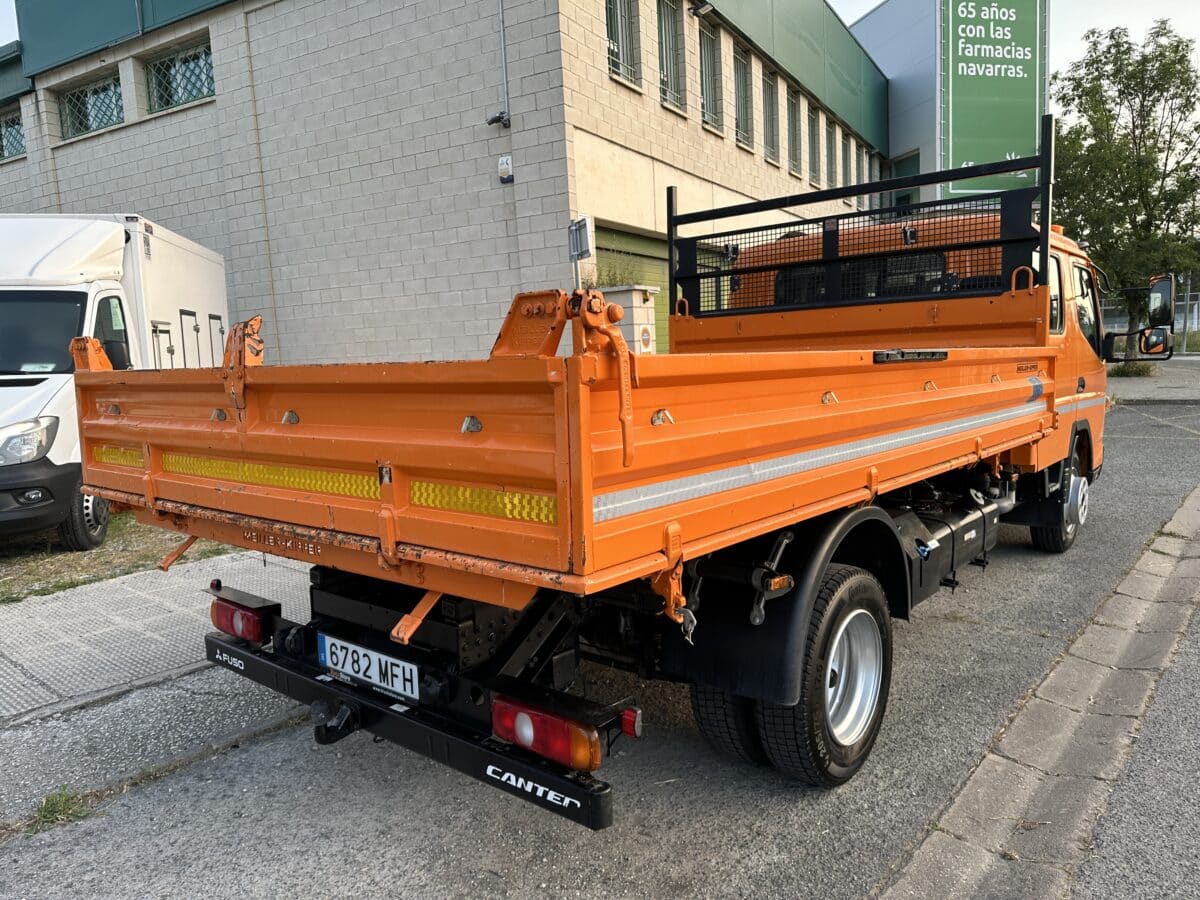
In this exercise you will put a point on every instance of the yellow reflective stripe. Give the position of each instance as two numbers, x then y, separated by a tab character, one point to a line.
345	484
118	456
516	505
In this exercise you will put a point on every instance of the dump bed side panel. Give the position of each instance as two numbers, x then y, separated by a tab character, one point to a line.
751	442
467	457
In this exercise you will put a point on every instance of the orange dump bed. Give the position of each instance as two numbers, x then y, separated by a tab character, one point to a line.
489	479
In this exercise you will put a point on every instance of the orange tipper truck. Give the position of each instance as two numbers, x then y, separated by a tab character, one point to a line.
852	405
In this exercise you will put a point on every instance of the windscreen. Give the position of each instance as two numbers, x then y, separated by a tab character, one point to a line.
36	328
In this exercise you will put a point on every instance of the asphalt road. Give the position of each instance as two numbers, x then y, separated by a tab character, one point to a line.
280	816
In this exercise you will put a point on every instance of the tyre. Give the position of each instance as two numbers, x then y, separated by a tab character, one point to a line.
1058	538
826	737
86	524
727	722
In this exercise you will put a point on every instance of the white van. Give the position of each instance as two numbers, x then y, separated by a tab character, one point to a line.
155	300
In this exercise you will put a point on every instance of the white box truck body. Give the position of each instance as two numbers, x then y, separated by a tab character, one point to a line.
154	299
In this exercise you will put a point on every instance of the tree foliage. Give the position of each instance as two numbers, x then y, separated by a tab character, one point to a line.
1128	153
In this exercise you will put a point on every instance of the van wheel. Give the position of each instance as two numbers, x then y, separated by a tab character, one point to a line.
727	722
1072	511
826	737
86	524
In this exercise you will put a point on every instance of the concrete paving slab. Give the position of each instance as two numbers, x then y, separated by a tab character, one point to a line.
1175	546
1185	523
20	692
1123	649
1088	687
1056	825
946	867
1143	585
992	802
1143	615
1155	564
1022	880
98	637
1060	741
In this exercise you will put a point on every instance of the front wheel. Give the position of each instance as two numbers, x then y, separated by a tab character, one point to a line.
1071	510
826	737
86	524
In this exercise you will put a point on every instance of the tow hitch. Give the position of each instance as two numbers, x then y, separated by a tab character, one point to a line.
333	721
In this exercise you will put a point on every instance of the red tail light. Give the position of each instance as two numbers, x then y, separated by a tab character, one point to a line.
238	621
573	745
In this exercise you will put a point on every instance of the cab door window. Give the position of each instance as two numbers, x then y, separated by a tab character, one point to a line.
1085	304
111	331
1056	296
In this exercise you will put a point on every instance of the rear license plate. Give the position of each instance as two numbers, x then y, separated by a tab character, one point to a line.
354	663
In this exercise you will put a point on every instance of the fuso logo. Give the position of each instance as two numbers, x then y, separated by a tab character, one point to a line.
232	661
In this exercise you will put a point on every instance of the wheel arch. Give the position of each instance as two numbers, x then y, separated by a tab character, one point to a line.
1081	439
766	662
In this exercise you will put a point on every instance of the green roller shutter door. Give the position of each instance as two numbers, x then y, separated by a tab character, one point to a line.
623	258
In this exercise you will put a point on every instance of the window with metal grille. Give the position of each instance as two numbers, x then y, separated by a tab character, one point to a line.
12	135
624	51
92	107
743	98
181	77
830	154
770	91
793	131
710	75
814	145
670	53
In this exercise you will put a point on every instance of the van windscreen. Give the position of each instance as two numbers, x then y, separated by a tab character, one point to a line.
36	328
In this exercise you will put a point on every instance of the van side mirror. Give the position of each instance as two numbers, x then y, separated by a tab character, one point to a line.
1161	309
118	354
1157	341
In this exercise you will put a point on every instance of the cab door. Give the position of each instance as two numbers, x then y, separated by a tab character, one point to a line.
1083	358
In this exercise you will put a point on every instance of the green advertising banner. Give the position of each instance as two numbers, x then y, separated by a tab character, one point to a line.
993	87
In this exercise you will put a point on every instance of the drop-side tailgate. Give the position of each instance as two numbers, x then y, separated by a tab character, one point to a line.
465	457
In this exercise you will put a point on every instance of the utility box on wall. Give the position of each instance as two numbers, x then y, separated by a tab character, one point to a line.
638	325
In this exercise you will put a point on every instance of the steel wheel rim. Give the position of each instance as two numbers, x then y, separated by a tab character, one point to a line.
1081	509
853	675
95	514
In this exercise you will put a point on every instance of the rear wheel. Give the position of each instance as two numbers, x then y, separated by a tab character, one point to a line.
727	722
1071	510
826	737
86	524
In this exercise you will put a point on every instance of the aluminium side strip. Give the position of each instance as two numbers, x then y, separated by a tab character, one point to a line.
690	487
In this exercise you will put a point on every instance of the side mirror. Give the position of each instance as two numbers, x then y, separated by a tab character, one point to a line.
1162	300
118	354
1156	341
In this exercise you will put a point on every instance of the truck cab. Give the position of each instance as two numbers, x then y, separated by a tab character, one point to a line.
120	279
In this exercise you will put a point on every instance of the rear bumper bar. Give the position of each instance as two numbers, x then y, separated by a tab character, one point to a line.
580	798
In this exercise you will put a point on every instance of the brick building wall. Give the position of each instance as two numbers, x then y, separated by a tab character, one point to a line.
343	167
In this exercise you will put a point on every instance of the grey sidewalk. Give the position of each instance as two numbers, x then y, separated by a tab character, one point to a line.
86	642
1146	841
1174	381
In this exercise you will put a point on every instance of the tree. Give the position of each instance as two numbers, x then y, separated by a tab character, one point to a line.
1128	155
